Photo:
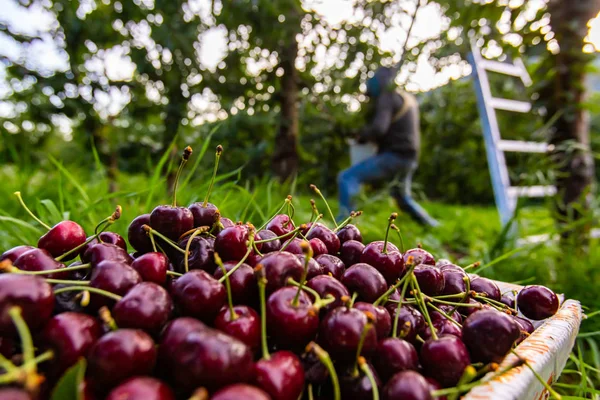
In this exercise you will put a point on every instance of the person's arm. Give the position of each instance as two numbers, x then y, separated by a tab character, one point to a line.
381	121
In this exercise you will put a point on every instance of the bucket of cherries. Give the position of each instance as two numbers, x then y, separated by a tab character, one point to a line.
205	308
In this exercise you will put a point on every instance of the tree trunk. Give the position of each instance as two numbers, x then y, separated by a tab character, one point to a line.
285	155
570	133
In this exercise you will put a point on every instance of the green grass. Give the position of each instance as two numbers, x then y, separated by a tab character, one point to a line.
467	233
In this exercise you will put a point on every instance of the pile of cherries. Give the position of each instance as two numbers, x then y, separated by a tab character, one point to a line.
205	308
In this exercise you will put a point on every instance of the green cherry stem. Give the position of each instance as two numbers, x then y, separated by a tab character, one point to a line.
232	312
248	252
326	361
474	265
187	248
262	284
17	374
18	194
394	287
364	367
218	153
421	303
15	270
187	152
152	232
107	318
316	295
353	215
352	300
318	192
313	224
104	293
281	236
399	306
29	365
173	273
66	282
391	220
395	228
308	253
279	210
467	376
363	336
448	317
106	222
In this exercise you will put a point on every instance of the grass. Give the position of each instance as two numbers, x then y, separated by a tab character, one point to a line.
467	234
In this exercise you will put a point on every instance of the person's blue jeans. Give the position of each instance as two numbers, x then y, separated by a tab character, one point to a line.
380	167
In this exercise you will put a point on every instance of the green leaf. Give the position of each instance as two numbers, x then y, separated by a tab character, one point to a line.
70	385
55	214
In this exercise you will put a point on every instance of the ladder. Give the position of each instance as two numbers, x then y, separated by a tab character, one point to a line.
506	196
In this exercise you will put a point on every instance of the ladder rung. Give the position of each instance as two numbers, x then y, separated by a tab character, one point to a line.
502	68
510	105
520	146
531	191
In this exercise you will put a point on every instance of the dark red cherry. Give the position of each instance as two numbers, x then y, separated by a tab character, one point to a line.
351	252
152	267
138	238
357	385
202	254
14	253
331	265
289	325
11	393
407	385
508	299
29	292
105	237
486	286
390	263
340	333
280	225
433	386
327	236
70	336
454	280
197	294
142	388
40	260
364	280
245	327
448	310
107	252
240	391
279	267
325	285
204	215
171	221
466	311
293	246
114	277
394	355
526	328
120	355
383	321
231	243
537	302
281	376
430	278
445	359
349	232
318	247
418	256
226	222
442	327
410	321
270	246
64	236
489	335
146	306
192	355
243	283
314	268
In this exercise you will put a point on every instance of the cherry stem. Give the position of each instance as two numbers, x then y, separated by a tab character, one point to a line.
152	232
352	300
291	210
7	365
104	293
29	365
281	236
314	293
109	220
16	374
398	307
364	367
314	209
474	265
66	282
107	318
467	376
313	224
394	227
187	152
394	287
173	273
318	192
494	303
421	303
448	317
287	200
308	253
232	312
309	388
214	175
361	341
353	215
15	270
248	252
391	220
187	248
18	194
262	283
326	361
85	298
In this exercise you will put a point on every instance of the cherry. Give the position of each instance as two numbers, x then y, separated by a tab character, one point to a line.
114	277
171	221
410	321
240	391
508	300
525	326
314	268
466	311
201	256
243	282
279	267
433	386
107	252
64	236
445	359
103	237
292	323
331	265
199	295
119	355
193	355
389	261
419	256
29	292
40	260
453	280
486	286
70	335
326	235
448	310
204	214
357	386
152	267
146	306
293	246
349	232
351	252
318	247
272	244
407	385
430	278
489	335
364	280
14	253
11	393
442	327
327	285
383	321
245	327
280	225
141	388
340	332
537	302
393	355
281	375
137	236
231	243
